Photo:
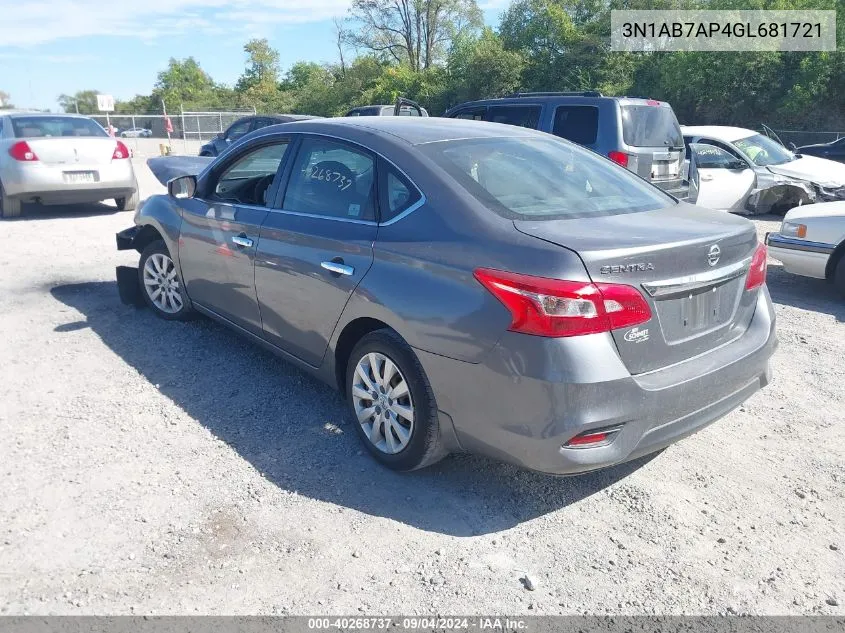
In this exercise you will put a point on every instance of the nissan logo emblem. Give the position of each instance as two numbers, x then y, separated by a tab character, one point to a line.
714	254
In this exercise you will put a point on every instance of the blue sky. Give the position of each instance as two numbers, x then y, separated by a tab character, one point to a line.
49	47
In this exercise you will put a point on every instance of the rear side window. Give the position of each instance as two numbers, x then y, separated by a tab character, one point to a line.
397	196
332	179
239	129
523	116
530	178
650	126
579	124
35	127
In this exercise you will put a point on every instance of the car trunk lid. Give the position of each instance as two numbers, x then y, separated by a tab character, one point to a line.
73	152
689	264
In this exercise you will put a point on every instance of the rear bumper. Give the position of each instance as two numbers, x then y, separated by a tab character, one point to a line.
532	395
800	257
676	187
47	183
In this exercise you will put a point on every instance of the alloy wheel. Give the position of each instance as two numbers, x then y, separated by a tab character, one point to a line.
382	402
161	283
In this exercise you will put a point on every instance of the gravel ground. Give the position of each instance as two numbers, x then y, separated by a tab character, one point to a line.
165	468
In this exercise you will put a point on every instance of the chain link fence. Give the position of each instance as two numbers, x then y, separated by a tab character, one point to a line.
144	134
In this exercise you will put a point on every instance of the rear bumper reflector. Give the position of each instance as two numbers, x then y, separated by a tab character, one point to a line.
594	438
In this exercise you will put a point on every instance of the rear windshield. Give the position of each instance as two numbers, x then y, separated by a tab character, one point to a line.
34	127
650	126
527	178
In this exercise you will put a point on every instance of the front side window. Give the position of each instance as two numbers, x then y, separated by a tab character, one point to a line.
523	116
332	179
248	179
579	124
527	178
238	130
475	114
764	151
51	126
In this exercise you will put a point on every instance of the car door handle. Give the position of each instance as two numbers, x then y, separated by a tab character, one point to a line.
705	177
242	240
337	268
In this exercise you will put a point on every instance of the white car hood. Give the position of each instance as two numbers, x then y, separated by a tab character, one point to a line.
826	173
820	210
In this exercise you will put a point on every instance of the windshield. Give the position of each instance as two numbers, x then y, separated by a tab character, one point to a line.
650	126
527	178
37	126
764	151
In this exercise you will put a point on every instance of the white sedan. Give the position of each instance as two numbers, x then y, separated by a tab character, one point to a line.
745	172
811	242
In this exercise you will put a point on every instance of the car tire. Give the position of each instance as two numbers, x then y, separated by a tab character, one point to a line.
9	207
401	442
127	204
839	276
161	286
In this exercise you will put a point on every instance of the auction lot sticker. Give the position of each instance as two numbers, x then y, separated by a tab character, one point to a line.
676	30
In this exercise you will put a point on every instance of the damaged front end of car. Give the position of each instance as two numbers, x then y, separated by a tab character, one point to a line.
777	193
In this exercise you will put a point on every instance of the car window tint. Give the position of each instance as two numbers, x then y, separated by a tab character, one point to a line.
476	114
331	179
249	178
35	127
523	116
238	130
711	157
528	178
650	126
399	195
579	124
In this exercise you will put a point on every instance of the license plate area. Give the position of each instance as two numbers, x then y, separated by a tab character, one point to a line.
79	177
698	312
666	165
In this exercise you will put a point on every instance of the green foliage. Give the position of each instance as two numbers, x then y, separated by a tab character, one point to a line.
442	57
5	100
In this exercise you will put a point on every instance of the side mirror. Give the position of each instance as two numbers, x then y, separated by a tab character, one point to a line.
220	135
737	164
182	187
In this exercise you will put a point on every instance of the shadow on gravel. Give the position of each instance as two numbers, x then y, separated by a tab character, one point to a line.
816	295
32	211
292	428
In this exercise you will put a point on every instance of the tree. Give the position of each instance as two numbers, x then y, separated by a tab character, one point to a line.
5	100
184	83
481	67
83	101
262	66
413	32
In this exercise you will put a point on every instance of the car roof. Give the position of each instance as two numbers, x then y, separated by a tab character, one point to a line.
723	133
29	115
528	98
412	130
289	117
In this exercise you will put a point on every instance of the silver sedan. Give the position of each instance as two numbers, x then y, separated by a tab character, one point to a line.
61	159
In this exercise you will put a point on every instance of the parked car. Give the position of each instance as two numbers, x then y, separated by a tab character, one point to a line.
642	135
136	132
743	171
811	242
835	150
244	126
61	159
467	286
404	107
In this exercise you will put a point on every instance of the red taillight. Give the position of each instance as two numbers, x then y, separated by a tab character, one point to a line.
555	307
22	152
121	151
620	158
759	264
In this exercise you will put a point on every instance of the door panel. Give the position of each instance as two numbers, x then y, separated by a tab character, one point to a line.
219	236
299	299
314	252
724	180
218	272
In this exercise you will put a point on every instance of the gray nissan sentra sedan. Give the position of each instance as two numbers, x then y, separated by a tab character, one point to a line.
467	286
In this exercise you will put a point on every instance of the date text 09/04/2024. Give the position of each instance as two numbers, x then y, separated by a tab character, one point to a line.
414	623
